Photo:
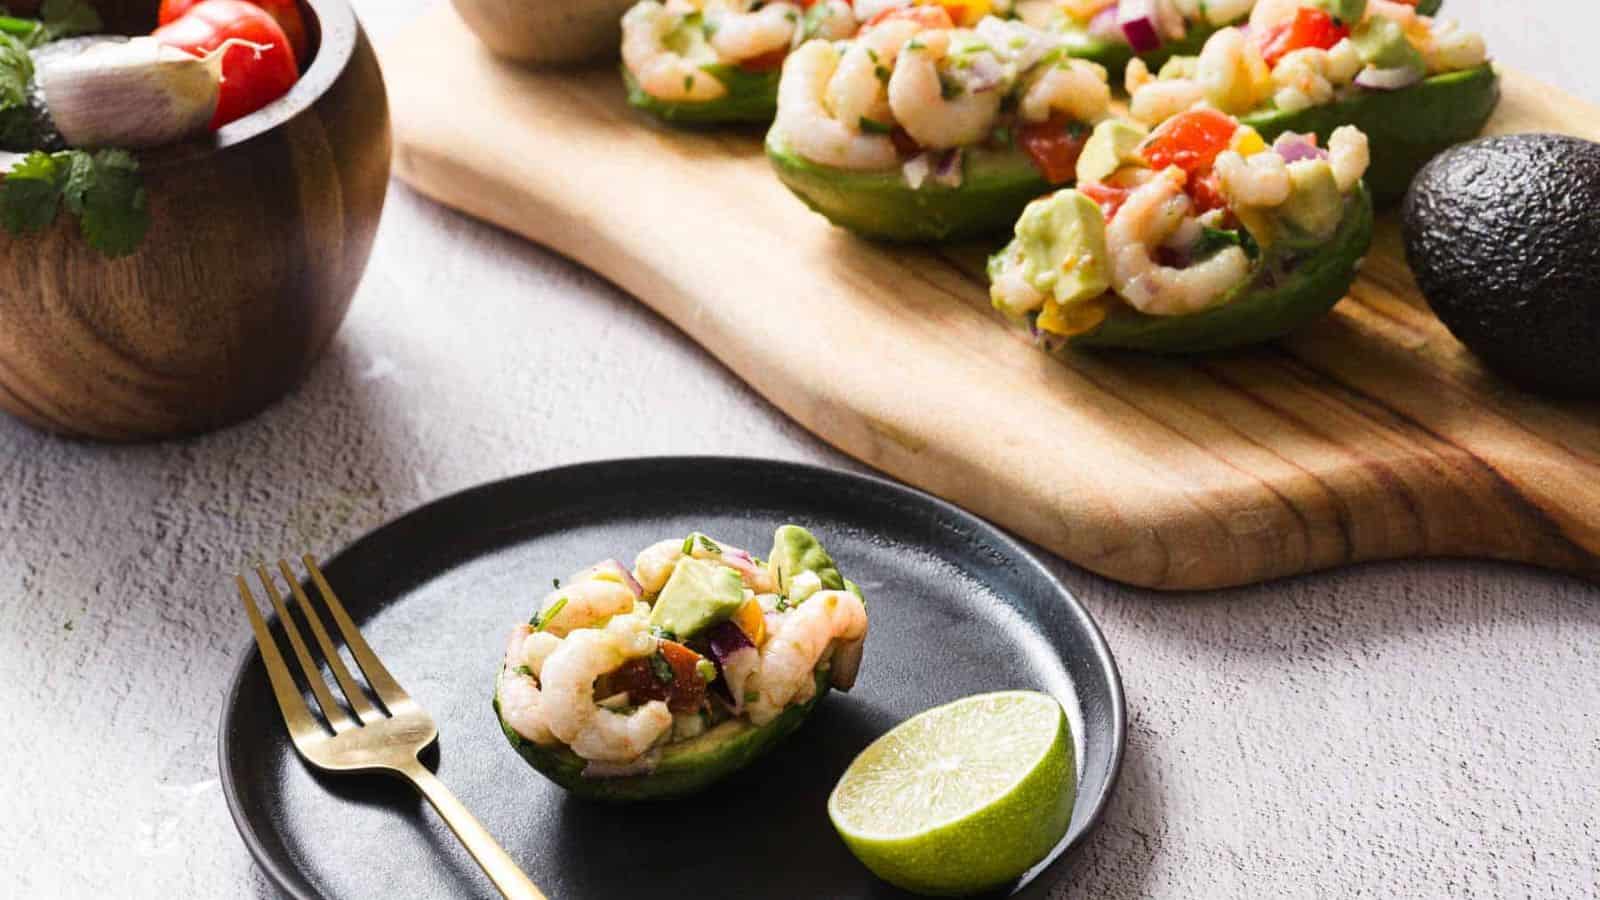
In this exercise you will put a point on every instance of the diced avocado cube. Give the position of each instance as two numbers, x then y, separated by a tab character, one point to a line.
699	594
1346	11
1315	207
795	550
1382	43
1112	143
1062	239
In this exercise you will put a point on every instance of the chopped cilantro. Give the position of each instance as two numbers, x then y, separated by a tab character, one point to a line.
541	622
662	633
16	71
791	17
782	604
706	669
873	126
872	54
950	89
710	545
661	668
1214	240
752	696
882	72
1000	137
523	670
555	582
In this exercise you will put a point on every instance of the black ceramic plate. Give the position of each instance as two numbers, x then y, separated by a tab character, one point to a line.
957	608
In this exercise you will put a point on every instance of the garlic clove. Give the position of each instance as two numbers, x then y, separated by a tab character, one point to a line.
135	93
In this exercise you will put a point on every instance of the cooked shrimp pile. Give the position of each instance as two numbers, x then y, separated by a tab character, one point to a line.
1294	56
1186	217
595	672
912	90
686	51
1175	17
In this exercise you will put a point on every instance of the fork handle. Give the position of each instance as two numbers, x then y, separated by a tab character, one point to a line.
490	856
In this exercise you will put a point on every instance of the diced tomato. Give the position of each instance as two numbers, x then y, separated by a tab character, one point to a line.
1206	192
1310	27
1054	146
1190	141
643	679
770	61
926	16
1108	197
904	143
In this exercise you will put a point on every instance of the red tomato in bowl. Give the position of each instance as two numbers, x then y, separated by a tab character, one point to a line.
250	78
285	12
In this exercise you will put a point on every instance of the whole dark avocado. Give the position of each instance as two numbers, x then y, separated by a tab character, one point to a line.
1504	237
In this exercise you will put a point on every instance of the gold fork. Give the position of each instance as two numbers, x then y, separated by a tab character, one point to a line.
373	741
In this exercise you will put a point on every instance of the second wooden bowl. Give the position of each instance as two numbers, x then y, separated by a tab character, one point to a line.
257	242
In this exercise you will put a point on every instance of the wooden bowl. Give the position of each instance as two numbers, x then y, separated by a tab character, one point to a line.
547	31
258	238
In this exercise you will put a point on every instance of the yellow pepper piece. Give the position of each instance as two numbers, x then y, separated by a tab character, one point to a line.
965	13
606	575
1247	142
752	621
1068	319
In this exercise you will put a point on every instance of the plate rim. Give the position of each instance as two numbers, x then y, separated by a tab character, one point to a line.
287	882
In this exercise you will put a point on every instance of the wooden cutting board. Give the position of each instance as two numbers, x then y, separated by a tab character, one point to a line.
1369	435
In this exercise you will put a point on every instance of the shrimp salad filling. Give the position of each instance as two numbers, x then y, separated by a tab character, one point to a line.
722	56
1179	222
1142	26
914	93
1295	55
700	645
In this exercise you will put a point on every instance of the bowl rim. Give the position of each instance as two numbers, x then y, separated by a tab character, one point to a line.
338	31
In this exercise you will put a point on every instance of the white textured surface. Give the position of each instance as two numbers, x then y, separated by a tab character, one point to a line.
1410	729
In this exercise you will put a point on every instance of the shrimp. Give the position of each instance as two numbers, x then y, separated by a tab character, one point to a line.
522	706
1231	72
857	90
1450	48
800	638
1268	13
1261	180
1076	87
835	23
746	35
1150	215
594	732
1301	79
917	97
530	648
804	124
1401	14
661	72
1010	291
1136	76
1349	156
1158	101
1222	12
654	565
583	600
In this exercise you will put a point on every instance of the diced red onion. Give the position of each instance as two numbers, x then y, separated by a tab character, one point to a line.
1388	79
1137	19
621	571
735	657
1296	147
1104	27
742	562
947	168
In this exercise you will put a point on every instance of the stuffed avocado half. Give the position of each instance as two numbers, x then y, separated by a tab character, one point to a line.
706	63
1413	84
658	681
1194	238
919	131
1113	32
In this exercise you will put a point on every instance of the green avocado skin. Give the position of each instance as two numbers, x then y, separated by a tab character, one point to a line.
680	771
1115	55
1503	235
1256	312
751	98
1405	128
996	185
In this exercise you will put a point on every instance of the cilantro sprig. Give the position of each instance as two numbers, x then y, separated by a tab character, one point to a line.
57	19
103	189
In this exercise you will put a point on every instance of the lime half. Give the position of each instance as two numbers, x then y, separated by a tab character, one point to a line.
961	798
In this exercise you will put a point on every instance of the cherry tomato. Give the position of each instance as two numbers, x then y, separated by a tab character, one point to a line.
926	16
250	78
1054	146
1190	141
285	12
1310	28
1108	197
770	61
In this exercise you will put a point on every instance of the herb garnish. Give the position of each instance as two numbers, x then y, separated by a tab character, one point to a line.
542	621
103	189
661	668
523	670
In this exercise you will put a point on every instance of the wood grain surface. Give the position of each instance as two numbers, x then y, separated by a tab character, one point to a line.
1369	435
258	239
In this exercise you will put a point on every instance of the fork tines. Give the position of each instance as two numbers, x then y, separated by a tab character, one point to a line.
301	722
